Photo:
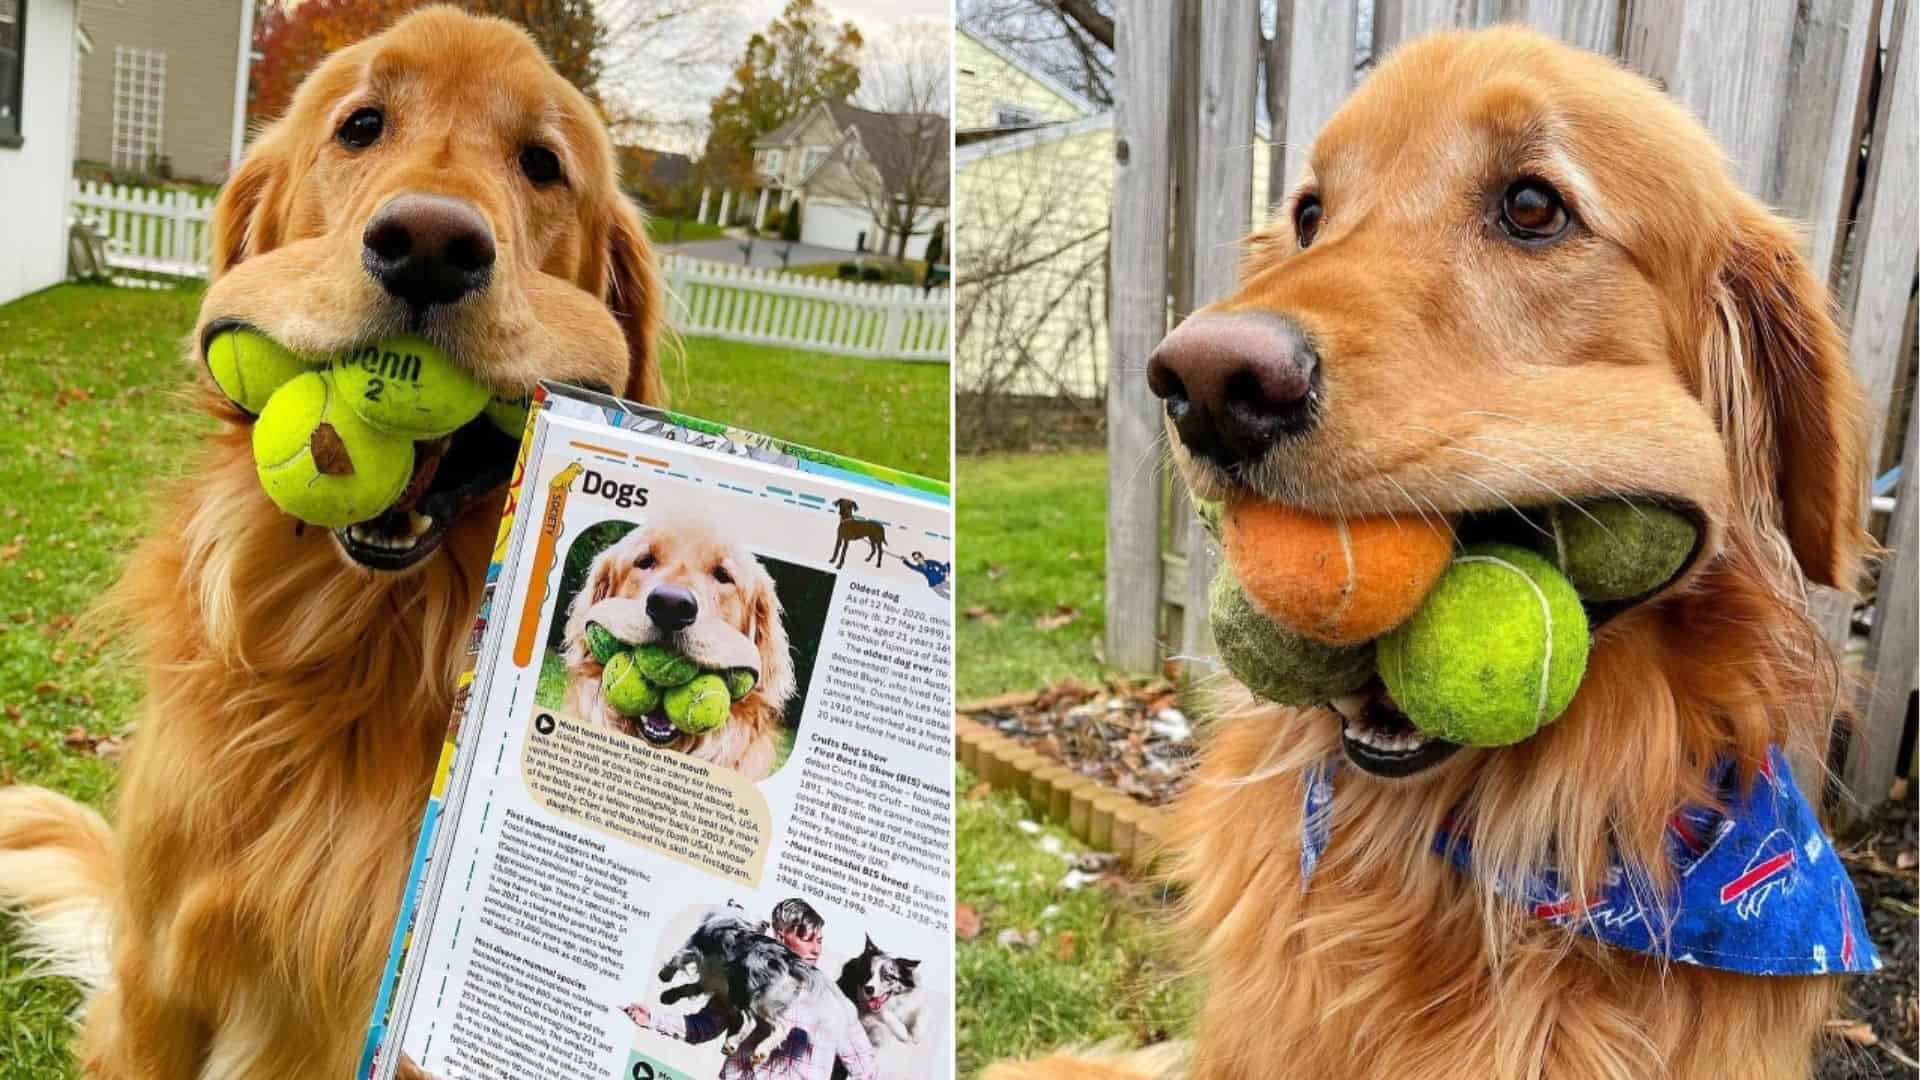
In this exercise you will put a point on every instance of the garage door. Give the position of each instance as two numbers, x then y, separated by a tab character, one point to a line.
836	225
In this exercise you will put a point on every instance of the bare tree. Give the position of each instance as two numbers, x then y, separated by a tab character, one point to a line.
663	60
906	78
1072	40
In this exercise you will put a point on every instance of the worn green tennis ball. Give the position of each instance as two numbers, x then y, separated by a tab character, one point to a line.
249	366
740	681
320	462
663	666
602	644
626	689
699	706
1618	549
1272	660
509	414
1495	652
405	386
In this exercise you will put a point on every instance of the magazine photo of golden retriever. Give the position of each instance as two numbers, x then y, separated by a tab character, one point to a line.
673	634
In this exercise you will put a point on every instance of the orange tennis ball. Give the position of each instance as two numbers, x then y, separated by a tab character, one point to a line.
1339	581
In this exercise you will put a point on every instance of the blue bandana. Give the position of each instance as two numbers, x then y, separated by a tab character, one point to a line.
1760	889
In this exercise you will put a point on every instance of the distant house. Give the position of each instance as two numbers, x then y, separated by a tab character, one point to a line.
41	45
862	179
164	92
1033	171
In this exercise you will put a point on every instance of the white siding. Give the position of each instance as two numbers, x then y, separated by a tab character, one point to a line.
834	224
983	81
33	176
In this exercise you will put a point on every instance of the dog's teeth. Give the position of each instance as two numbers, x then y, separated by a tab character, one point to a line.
418	524
1349	705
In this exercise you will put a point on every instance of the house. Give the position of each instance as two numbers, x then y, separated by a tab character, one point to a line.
863	180
165	89
1033	174
41	46
665	182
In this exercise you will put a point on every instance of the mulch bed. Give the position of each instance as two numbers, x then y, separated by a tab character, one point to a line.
1136	738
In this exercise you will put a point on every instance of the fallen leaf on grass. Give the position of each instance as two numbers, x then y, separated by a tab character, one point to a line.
46	686
1061	616
109	748
1063	946
966	922
11	552
14	714
984	615
77	738
995	571
979	791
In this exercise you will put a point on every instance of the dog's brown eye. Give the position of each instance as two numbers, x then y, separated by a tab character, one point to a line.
541	165
1306	219
647	561
1532	210
720	575
362	128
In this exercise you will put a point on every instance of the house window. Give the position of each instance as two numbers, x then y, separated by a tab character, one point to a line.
810	159
1015	116
13	48
774	158
139	104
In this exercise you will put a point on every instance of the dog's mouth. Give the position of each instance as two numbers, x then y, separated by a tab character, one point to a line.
656	728
1378	738
874	1003
450	475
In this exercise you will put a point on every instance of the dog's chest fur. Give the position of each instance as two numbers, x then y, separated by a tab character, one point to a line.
1384	968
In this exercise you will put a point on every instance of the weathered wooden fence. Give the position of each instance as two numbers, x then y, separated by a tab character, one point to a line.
1814	100
163	234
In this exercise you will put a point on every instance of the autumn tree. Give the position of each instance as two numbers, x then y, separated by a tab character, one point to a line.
799	60
569	32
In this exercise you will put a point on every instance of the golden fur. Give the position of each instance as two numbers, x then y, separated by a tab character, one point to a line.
1674	346
296	702
739	626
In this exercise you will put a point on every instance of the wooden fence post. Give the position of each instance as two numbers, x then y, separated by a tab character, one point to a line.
1143	63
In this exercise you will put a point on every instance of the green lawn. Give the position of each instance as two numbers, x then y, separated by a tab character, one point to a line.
664	230
1033	529
88	381
1089	965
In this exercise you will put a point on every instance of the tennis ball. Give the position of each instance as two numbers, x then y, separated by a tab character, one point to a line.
509	414
740	681
626	689
320	462
1494	654
1337	581
249	366
602	644
405	386
1617	549
664	667
1275	662
700	705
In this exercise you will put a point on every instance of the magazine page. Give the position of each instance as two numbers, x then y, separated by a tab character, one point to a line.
694	817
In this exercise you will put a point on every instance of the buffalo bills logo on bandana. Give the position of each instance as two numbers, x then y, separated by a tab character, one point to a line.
1759	887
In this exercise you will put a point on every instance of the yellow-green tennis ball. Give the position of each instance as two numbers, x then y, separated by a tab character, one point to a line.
1494	654
699	706
1274	661
320	462
509	414
1619	549
740	681
663	666
602	644
405	386
249	366
625	689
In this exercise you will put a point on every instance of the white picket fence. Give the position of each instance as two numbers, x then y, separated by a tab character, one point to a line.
152	233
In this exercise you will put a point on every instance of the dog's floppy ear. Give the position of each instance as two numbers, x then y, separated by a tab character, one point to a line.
250	215
637	297
769	632
601	577
1789	407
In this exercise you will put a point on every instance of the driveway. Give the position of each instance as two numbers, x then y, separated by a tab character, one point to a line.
766	252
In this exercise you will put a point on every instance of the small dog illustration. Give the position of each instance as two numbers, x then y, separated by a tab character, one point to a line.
853	528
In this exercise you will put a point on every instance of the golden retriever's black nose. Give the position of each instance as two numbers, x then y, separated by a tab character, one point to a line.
428	249
672	607
1235	382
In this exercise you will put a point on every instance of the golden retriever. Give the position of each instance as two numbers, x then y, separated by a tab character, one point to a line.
677	581
438	178
1513	273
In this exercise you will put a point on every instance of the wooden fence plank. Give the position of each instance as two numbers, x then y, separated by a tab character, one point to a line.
1820	146
1221	210
1319	74
1873	751
1143	70
1590	24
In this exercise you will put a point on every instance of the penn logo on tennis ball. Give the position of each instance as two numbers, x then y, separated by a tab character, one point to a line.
621	495
384	362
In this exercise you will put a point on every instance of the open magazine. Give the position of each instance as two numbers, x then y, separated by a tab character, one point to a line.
693	817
